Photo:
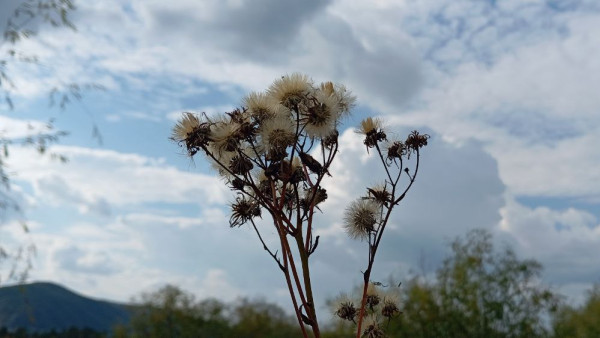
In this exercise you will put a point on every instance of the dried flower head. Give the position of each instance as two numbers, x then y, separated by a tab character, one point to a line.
278	133
396	150
184	127
416	141
373	296
371	328
372	129
346	100
259	106
390	306
243	210
380	194
194	133
320	195
361	218
321	116
370	125
225	136
240	164
345	309
290	90
331	140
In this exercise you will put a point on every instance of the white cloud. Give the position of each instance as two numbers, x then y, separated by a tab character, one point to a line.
101	177
209	110
566	242
17	129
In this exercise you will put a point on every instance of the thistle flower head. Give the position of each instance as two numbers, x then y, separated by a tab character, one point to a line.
370	125
373	131
396	150
346	100
225	135
371	328
331	140
390	308
321	116
259	106
373	296
361	218
416	141
240	164
184	127
193	132
320	195
243	210
290	90
380	194
344	308
277	133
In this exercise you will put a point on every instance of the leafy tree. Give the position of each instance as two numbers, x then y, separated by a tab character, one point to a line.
580	322
477	292
172	312
169	312
261	319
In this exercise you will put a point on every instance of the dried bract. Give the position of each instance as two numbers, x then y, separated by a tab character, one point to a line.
311	163
396	150
416	141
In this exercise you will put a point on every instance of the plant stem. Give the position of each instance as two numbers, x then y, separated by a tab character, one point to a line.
310	306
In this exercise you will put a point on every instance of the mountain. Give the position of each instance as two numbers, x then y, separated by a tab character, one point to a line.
41	307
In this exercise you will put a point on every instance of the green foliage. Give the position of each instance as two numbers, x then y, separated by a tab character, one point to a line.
580	322
171	312
477	292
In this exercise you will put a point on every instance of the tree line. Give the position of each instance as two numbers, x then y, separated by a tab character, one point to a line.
478	291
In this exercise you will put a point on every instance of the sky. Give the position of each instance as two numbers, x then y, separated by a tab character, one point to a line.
508	91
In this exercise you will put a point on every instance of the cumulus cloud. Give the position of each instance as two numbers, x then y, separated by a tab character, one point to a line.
74	259
566	241
104	177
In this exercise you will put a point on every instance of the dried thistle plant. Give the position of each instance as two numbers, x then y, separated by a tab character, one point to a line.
274	153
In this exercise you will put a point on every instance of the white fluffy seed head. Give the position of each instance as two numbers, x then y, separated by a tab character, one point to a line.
184	126
361	218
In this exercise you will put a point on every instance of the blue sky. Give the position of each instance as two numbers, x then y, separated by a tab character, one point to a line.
508	90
